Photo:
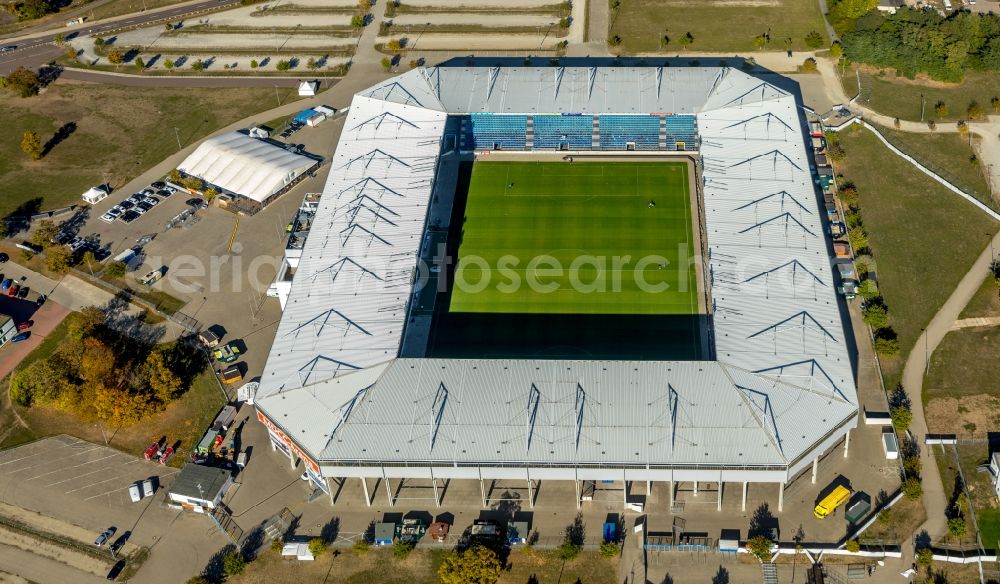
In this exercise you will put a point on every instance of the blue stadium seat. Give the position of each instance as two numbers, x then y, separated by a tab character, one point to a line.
617	131
576	132
492	131
682	129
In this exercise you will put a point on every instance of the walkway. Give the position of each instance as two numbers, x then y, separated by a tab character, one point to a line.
974	322
935	498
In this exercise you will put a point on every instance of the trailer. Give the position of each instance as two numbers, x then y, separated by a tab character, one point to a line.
227	353
384	533
205	446
231	374
224	419
208	339
411	530
857	510
151	277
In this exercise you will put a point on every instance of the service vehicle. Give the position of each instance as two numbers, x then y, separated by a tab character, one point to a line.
227	353
133	493
837	497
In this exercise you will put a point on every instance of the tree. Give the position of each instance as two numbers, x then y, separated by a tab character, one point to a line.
974	111
809	65
814	40
886	347
912	488
941	109
836	50
99	44
876	316
254	64
849	196
896	123
283	65
116	270
901	417
760	41
116	56
162	380
139	63
476	565
386	64
853	546
45	233
760	547
210	194
59	259
234	563
83	323
89	258
168	64
358	21
115	406
23	82
686	39
956	527
614	40
364	5
168	26
858	238
198	65
59	39
32	9
393	46
317	546
995	103
925	557
564	22
932	125
31	144
311	64
98	363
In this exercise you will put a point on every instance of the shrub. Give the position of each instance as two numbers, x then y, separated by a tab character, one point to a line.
974	111
386	64
995	103
941	109
317	546
836	50
358	21
809	65
686	39
477	565
912	465
116	270
760	547
858	238
277	545
887	347
912	489
283	65
868	290
564	22
614	40
254	64
401	549
956	527
568	550
360	547
925	557
814	40
609	549
853	546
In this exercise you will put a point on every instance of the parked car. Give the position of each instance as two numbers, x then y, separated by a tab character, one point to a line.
25	325
8	48
20	337
116	570
194	202
133	493
108	217
127	204
105	536
40	300
147	488
151	200
23	292
167	454
4	258
158	184
12	291
6	284
165	192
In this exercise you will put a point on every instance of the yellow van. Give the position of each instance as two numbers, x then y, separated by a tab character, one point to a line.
837	497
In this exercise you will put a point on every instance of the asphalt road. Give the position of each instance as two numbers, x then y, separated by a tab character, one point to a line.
35	52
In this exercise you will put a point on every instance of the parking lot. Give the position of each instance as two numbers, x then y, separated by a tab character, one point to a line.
77	489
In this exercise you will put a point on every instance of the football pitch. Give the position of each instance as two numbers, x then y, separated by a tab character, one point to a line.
577	238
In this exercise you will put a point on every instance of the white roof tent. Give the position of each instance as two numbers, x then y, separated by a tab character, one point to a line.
782	387
256	170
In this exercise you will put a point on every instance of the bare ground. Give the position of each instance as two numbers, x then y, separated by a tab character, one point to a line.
948	415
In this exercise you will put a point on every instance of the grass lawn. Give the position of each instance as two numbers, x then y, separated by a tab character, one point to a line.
716	25
989	527
897	524
520	212
924	237
899	97
120	132
184	419
957	365
949	156
420	567
986	302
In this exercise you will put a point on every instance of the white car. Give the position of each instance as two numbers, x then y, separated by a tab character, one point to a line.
134	493
108	217
147	488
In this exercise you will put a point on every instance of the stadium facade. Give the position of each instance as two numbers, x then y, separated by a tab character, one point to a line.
778	394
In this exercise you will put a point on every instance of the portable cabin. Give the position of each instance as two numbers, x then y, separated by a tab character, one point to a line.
384	533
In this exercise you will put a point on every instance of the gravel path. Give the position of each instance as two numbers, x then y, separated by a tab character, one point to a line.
280	19
476	41
498	20
500	5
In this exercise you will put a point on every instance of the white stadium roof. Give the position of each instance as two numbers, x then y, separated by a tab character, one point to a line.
246	166
782	387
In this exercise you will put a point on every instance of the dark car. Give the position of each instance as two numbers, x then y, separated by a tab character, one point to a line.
20	337
129	217
127	204
3	258
6	283
41	300
23	292
158	184
193	202
164	193
25	326
116	570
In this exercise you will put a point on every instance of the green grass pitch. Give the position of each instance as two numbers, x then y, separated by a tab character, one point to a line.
578	217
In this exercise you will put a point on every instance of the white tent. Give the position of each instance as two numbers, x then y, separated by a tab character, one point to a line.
249	167
308	88
95	194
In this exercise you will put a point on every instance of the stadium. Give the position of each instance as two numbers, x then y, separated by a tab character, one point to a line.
587	274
